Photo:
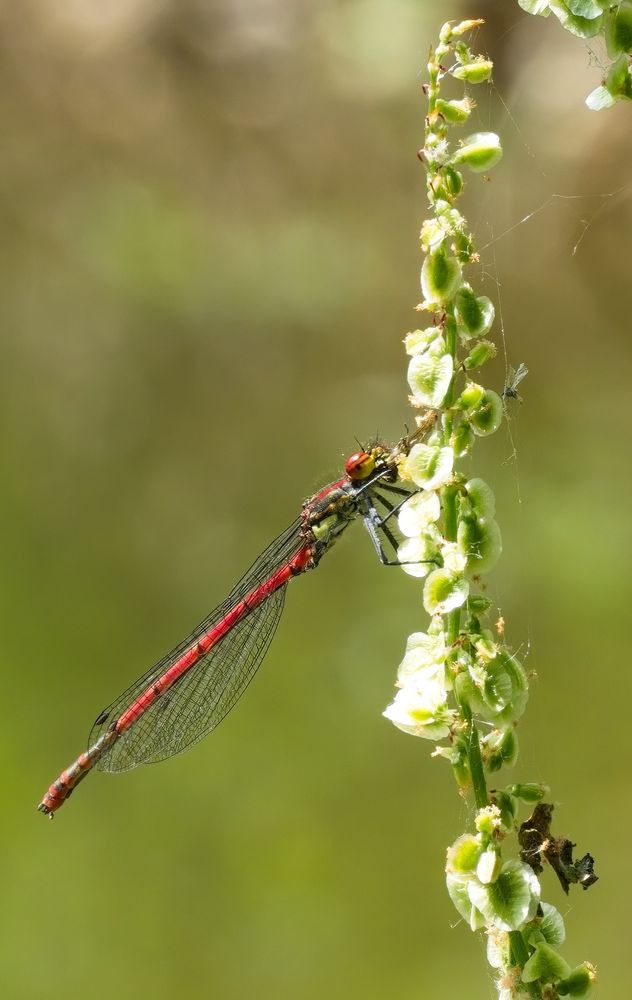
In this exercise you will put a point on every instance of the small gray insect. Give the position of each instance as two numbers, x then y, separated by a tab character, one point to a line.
513	380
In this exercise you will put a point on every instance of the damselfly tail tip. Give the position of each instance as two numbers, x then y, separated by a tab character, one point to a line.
43	808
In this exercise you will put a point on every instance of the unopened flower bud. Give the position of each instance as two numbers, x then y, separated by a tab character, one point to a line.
480	152
479	354
488	867
462	439
449	183
505	751
471	397
455	111
450	31
530	791
476	71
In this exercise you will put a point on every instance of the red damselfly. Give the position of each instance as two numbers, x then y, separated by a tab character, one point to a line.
189	691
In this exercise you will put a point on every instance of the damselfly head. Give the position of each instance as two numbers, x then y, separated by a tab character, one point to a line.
363	464
360	465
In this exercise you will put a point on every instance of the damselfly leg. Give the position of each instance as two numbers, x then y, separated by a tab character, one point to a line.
380	531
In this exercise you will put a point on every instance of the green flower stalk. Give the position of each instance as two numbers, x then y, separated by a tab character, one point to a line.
458	683
589	19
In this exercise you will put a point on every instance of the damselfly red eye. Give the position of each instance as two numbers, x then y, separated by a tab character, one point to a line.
359	465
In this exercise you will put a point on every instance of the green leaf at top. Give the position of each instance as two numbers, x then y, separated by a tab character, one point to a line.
540	7
584	8
584	27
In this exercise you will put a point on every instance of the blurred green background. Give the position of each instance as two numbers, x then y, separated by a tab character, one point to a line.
209	258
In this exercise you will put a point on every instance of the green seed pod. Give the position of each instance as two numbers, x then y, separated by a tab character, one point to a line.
480	540
480	152
507	808
464	854
428	465
455	112
458	884
443	592
474	315
460	764
530	791
481	497
511	900
466	690
619	79
429	378
440	277
462	438
487	417
478	605
471	398
579	982
505	752
432	235
497	689
452	182
520	690
463	53
476	71
419	341
546	964
551	926
479	354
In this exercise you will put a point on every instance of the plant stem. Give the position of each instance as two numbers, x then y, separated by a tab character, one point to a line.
475	761
520	956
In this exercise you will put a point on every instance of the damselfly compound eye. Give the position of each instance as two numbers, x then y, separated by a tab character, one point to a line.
360	465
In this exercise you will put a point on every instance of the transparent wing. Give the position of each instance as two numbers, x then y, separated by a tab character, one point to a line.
202	696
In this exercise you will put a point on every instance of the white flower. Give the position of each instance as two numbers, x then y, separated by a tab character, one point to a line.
454	560
428	466
511	900
417	513
488	867
422	651
443	592
419	555
429	378
432	235
498	954
430	340
420	706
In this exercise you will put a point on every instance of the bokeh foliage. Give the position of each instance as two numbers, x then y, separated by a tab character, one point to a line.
209	258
